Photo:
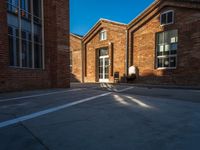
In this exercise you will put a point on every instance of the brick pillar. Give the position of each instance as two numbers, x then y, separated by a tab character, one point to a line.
56	22
111	54
4	53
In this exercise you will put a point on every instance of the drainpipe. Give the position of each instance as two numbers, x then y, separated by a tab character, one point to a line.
82	61
126	53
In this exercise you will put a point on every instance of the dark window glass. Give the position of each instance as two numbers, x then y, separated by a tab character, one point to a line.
167	18
12	6
24	50
103	52
38	55
17	32
11	50
163	19
26	5
26	9
17	52
10	30
170	17
160	64
37	8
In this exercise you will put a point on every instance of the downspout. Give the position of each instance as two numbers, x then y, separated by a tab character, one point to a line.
82	61
127	53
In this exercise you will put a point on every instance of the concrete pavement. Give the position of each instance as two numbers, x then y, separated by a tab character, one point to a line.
126	118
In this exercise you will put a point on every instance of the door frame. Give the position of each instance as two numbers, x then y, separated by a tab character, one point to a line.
104	80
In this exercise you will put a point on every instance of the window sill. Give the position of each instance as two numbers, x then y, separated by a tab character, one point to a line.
166	68
162	25
26	68
103	40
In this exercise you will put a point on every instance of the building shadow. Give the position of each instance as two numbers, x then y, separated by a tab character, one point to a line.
74	78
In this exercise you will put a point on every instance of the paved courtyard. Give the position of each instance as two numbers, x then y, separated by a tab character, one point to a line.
101	117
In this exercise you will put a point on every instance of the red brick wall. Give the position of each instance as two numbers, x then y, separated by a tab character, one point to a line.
116	42
56	73
76	50
142	45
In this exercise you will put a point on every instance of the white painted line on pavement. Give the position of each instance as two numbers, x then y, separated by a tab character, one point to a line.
47	111
126	89
39	95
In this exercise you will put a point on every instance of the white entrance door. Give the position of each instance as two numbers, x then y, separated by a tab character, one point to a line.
104	68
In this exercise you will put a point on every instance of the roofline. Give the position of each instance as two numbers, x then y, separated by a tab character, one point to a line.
79	37
143	13
148	10
98	23
111	21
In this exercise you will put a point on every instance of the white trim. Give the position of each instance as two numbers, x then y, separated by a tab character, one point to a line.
32	36
167	56
20	35
167	68
104	80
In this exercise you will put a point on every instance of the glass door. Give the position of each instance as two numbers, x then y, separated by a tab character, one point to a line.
104	68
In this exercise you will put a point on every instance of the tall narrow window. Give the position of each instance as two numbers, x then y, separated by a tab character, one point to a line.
25	33
166	48
167	17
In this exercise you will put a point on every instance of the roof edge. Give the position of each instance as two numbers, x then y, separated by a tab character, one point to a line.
77	36
144	13
151	7
98	23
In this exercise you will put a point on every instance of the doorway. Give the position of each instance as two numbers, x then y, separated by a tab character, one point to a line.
103	65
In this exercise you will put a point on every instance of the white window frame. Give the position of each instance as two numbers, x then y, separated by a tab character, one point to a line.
165	56
166	12
103	35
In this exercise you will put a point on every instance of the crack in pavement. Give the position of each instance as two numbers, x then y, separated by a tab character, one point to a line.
34	136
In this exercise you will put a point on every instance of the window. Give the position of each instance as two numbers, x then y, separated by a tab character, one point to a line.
103	52
167	17
25	33
166	49
12	6
103	35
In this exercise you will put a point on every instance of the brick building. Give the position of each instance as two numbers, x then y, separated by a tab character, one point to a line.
34	44
76	57
104	48
164	43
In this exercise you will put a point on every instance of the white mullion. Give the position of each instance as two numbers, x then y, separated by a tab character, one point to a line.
20	35
43	44
103	68
32	35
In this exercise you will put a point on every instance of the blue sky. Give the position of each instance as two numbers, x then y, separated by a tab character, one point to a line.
85	13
